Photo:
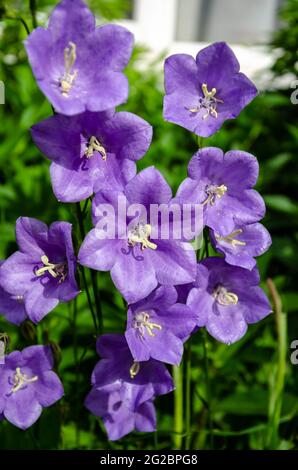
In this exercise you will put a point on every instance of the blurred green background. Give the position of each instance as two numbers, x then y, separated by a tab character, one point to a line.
243	396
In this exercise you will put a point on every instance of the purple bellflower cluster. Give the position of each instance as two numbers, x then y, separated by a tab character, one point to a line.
93	151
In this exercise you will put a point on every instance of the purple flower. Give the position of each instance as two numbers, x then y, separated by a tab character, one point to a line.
123	390
28	384
77	66
12	307
241	245
43	271
138	261
222	184
201	94
226	299
92	151
157	327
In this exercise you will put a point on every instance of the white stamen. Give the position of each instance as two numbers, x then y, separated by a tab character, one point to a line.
95	146
142	323
140	234
21	379
208	102
230	238
214	192
70	56
55	270
224	297
134	370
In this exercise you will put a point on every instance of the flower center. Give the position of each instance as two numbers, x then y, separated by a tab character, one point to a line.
223	297
214	192
21	379
55	270
143	324
230	238
134	370
95	146
140	234
208	102
70	56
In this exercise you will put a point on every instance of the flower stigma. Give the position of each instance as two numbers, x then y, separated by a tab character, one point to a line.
134	370
55	270
95	146
70	56
140	234
208	102
212	191
231	238
142	324
223	297
21	379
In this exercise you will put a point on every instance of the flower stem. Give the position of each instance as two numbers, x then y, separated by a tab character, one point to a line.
18	19
93	273
277	386
178	406
32	5
208	388
188	398
85	282
77	371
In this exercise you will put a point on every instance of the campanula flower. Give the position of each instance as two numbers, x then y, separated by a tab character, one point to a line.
226	299
222	184
204	92
123	390
157	326
76	65
138	262
241	245
27	385
42	272
92	151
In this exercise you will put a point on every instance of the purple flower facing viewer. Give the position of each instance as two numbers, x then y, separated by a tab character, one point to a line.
222	184
138	262
157	327
27	385
76	65
242	244
123	390
226	299
42	273
92	151
12	307
201	94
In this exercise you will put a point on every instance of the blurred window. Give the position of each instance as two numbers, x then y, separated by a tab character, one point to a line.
235	21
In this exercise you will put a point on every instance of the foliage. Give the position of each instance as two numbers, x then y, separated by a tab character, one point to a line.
242	376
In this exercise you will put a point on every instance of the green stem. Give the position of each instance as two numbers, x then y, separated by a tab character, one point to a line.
200	141
178	407
92	272
96	294
206	240
85	282
32	5
188	398
77	370
208	389
277	387
18	19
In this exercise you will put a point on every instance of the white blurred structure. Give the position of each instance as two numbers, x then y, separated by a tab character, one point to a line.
176	26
